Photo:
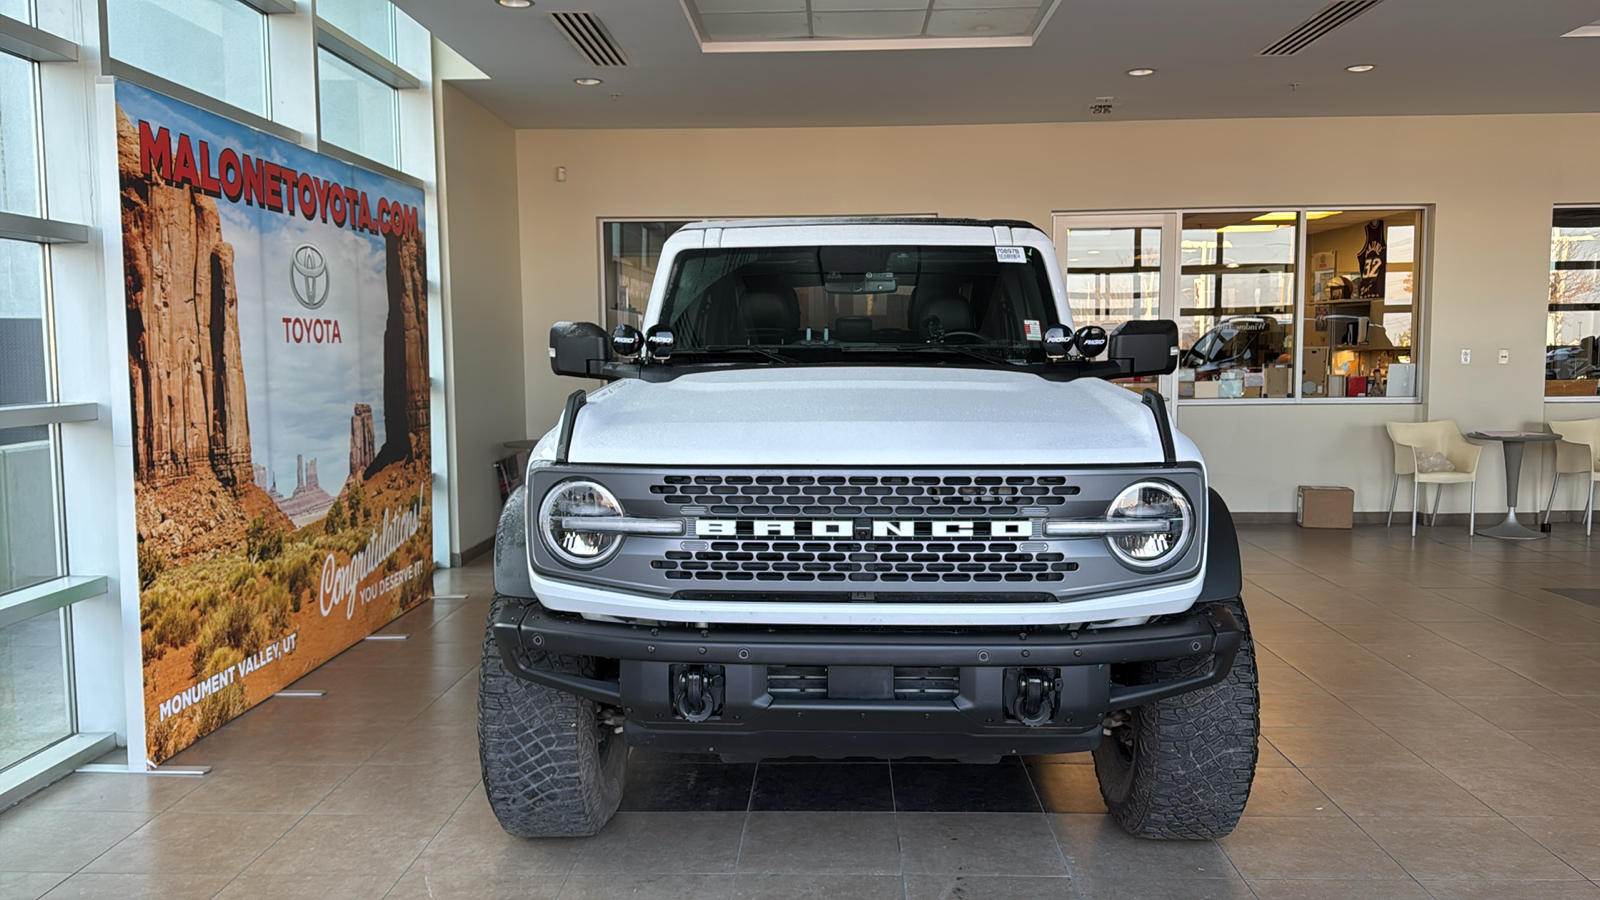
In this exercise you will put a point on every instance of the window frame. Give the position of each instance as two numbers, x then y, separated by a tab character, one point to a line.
1549	307
1421	291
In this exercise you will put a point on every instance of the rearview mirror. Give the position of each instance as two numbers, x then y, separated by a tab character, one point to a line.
1145	347
578	348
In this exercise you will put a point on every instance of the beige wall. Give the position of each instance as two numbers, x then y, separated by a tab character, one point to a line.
483	290
1492	181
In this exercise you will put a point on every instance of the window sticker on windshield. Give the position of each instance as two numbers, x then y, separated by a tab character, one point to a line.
1031	330
1010	254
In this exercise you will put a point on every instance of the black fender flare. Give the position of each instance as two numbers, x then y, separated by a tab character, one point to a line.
1224	571
511	549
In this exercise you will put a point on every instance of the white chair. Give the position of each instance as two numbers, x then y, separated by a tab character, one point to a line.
1414	439
1577	453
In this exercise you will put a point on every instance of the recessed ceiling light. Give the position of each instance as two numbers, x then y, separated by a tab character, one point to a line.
587	82
515	4
1140	73
1360	68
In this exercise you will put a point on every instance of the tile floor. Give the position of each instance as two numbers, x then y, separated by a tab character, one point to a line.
1431	729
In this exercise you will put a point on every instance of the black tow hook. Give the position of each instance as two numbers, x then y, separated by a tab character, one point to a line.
1033	695
696	692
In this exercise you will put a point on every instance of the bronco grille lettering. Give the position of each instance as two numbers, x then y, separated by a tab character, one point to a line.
881	528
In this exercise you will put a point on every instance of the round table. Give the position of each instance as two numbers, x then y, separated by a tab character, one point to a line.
1512	442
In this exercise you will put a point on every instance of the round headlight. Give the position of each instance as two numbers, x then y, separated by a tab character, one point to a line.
573	545
1160	522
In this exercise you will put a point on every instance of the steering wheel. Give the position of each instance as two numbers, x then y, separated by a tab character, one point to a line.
976	337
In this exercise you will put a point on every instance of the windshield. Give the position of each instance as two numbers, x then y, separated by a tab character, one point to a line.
822	301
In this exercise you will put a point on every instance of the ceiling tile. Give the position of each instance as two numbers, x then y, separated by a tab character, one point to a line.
868	25
988	4
981	23
754	26
739	6
857	5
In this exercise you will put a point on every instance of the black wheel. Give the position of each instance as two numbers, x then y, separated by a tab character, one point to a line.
1180	768
551	766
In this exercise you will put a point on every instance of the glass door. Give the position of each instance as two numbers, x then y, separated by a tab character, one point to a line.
1117	268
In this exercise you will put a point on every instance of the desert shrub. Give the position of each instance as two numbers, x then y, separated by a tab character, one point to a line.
298	572
333	522
151	564
355	498
173	626
238	625
241	577
214	711
168	736
261	541
279	607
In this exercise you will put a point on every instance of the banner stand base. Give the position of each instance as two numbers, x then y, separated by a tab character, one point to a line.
301	694
448	597
114	769
386	637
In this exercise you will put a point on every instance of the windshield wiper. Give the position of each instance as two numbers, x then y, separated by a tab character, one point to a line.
739	348
991	358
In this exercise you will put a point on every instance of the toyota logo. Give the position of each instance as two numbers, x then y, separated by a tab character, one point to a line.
308	277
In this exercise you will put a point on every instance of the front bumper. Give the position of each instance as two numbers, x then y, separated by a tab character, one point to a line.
851	717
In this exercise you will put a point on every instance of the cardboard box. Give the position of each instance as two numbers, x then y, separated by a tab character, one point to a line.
1206	390
1279	382
1324	507
1336	385
1251	393
1315	361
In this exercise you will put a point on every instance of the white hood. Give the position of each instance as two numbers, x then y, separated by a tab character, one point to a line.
910	415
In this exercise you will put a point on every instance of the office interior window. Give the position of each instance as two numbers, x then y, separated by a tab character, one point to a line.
216	47
631	251
1572	331
17	9
1235	304
358	112
1360	303
1112	275
19	147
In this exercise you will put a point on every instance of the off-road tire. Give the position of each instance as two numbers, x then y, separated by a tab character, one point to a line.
1180	769
551	768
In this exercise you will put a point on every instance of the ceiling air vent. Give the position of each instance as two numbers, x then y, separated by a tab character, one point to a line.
1318	27
590	38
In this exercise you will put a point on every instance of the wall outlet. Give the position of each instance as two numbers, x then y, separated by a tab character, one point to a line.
1466	357
1505	356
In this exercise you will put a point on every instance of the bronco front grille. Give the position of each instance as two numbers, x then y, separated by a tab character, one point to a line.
910	682
866	495
889	561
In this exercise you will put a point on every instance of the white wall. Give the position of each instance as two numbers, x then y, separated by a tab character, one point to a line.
484	290
1491	179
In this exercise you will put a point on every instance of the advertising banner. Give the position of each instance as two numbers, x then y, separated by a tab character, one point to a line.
278	358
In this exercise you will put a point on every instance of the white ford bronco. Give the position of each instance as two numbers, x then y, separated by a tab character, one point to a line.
860	489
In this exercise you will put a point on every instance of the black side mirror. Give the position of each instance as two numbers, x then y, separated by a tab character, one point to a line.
578	348
1145	347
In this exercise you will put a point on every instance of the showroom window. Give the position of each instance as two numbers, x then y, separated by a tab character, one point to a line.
629	254
224	46
359	112
367	52
1572	334
36	684
1271	304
